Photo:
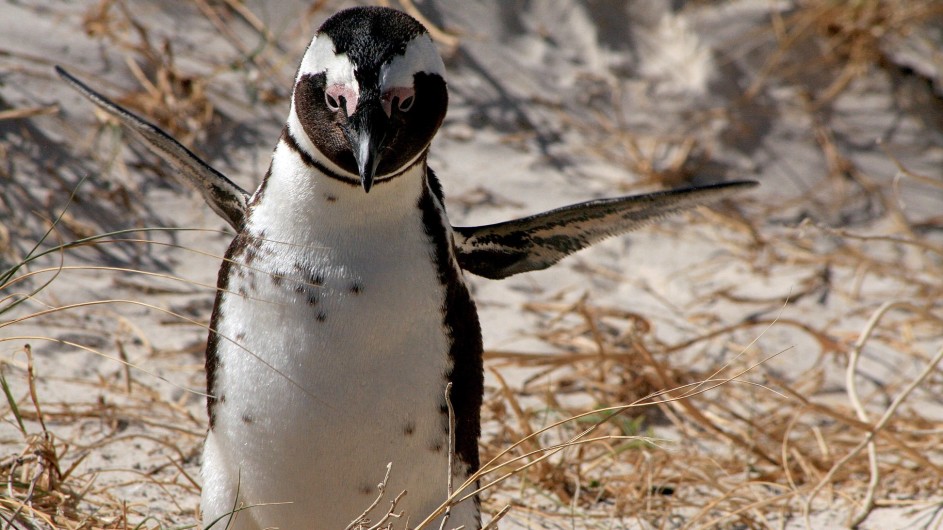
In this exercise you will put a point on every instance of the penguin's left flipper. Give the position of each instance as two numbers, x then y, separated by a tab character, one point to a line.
537	242
224	196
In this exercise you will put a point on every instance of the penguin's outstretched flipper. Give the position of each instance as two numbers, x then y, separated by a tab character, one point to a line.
536	242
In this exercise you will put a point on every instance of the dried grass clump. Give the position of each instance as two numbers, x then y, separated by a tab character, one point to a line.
750	447
34	478
58	479
842	40
40	491
177	98
35	489
174	99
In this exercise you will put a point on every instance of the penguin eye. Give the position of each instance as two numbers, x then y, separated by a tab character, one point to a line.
400	99
341	97
332	102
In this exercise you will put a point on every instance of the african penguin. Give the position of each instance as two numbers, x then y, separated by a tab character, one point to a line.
341	312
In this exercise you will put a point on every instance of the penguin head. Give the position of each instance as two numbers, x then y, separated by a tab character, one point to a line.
370	94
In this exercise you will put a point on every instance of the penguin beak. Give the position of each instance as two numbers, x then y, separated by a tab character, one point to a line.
366	133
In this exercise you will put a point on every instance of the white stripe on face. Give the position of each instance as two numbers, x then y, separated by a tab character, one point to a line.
338	69
420	56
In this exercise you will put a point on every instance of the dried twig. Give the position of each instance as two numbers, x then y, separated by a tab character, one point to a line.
363	520
885	418
451	463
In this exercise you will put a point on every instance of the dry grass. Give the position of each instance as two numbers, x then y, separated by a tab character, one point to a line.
714	430
126	412
840	40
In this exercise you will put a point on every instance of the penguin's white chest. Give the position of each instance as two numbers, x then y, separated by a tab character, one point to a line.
332	362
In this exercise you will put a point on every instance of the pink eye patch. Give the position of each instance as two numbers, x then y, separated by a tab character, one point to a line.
403	98
341	95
